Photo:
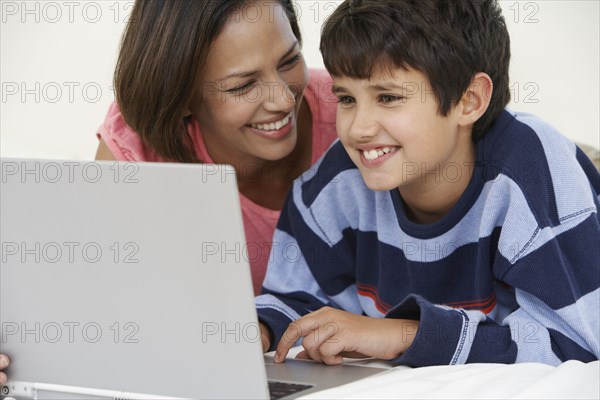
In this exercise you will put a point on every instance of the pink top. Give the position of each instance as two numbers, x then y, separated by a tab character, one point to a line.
259	222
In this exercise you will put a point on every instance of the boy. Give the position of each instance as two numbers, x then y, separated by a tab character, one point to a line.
441	228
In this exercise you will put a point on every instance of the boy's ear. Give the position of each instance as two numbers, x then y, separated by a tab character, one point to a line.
476	99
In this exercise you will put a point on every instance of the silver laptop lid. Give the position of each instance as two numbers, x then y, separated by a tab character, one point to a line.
127	277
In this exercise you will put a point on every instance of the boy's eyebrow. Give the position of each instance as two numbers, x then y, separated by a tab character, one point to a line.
246	74
335	89
380	87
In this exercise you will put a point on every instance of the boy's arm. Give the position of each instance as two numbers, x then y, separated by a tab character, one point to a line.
294	307
556	284
300	253
290	289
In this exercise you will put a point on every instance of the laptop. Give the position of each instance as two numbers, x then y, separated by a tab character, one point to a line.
131	281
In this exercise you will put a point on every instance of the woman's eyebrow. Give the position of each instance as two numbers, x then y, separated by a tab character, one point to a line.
290	50
246	74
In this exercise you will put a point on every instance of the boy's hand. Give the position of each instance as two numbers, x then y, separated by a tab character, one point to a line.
4	361
330	334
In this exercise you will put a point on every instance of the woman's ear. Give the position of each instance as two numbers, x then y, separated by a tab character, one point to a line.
476	99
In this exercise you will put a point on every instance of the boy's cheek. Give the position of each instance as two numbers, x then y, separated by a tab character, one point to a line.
352	152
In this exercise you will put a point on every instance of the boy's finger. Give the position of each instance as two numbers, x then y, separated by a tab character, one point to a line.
289	338
295	331
303	355
335	359
281	352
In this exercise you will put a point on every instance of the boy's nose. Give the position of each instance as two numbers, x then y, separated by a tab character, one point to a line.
364	126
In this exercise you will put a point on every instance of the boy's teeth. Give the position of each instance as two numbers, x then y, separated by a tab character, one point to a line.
376	153
273	126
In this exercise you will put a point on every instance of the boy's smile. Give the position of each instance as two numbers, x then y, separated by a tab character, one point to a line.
391	129
372	156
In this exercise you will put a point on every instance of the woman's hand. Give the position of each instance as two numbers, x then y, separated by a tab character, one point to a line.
4	361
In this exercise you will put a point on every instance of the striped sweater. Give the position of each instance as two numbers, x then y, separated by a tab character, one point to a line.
511	274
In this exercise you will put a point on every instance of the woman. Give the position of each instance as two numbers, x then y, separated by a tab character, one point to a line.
222	82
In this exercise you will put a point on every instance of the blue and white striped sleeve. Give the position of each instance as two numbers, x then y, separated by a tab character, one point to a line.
290	289
557	291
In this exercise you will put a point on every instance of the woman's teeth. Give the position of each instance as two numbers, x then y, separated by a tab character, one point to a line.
376	153
273	126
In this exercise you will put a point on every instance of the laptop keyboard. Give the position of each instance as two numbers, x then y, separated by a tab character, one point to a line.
282	389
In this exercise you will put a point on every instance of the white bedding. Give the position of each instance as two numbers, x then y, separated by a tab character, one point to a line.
570	380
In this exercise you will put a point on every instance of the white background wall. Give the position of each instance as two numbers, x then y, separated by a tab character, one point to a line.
57	58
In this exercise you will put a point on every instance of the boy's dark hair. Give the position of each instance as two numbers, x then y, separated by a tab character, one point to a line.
163	49
447	40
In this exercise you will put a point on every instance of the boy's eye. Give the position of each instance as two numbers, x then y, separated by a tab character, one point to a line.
345	100
388	98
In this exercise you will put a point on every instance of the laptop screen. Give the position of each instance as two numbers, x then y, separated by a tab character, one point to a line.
127	277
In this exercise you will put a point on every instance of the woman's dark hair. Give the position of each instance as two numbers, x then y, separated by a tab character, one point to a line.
164	46
447	40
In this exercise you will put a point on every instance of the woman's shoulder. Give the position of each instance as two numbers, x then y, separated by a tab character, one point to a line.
319	95
320	75
123	142
323	107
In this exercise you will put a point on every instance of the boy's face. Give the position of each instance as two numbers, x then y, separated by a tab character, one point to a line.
390	127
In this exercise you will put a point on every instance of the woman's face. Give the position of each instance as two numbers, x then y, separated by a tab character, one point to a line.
251	88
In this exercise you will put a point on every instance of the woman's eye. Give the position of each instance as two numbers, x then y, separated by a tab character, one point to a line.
292	61
240	88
